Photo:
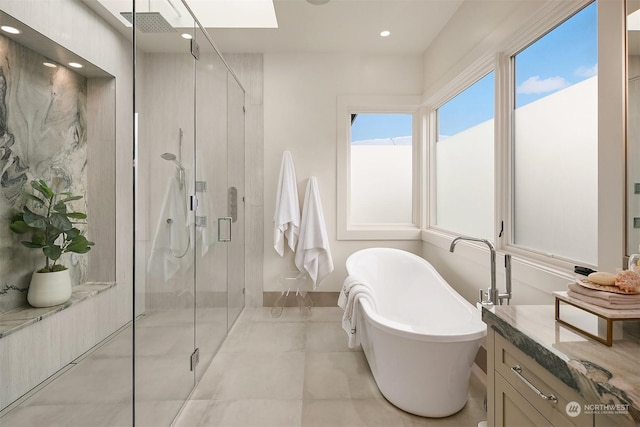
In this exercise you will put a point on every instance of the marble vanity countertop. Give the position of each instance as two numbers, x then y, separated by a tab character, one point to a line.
24	316
600	374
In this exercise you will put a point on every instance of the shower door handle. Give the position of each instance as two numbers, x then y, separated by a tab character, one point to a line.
227	233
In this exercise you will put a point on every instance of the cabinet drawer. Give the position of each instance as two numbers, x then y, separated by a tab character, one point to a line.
514	410
603	420
529	376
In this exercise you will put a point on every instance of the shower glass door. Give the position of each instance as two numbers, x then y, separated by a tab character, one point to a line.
219	154
164	332
190	211
236	185
212	219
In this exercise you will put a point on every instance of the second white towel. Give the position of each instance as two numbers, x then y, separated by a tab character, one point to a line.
313	254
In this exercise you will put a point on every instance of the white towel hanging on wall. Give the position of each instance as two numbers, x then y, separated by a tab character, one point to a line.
286	219
313	254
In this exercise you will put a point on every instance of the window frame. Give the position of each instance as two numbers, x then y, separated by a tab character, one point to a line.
457	88
458	85
347	105
507	136
500	62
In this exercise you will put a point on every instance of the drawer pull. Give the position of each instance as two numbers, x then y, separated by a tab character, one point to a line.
518	371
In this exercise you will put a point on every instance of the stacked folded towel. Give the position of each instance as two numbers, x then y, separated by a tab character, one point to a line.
611	300
353	290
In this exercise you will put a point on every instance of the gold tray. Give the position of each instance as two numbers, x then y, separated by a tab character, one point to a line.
607	314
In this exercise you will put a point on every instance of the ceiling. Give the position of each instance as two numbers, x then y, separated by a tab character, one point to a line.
340	26
344	26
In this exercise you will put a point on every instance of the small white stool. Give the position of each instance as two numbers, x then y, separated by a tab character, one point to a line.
301	283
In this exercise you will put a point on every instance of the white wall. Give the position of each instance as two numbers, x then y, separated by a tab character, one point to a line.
476	28
300	92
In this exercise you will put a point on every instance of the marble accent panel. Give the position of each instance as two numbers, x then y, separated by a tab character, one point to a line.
600	374
43	122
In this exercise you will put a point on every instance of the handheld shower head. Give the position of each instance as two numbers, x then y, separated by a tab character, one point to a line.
172	158
181	170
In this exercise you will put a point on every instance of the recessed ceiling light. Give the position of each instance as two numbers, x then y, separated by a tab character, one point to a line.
75	65
10	30
318	2
49	64
186	36
385	33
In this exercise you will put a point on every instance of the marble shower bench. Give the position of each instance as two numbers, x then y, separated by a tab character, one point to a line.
24	316
35	343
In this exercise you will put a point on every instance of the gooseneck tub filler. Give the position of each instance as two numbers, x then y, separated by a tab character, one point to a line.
420	337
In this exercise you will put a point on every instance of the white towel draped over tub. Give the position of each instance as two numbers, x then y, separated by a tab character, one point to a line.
353	292
313	255
286	218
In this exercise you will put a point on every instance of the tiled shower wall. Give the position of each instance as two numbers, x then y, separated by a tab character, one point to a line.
43	135
162	68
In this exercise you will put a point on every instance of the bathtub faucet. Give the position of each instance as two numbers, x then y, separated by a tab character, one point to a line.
491	296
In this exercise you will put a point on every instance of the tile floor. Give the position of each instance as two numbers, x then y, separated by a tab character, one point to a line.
280	372
294	371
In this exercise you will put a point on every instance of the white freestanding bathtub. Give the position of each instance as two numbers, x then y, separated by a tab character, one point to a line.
422	339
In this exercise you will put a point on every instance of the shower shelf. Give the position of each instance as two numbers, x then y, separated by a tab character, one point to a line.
22	317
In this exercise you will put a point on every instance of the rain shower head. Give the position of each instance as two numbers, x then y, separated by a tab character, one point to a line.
149	22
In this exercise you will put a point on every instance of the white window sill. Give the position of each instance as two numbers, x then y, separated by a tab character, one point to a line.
534	269
380	232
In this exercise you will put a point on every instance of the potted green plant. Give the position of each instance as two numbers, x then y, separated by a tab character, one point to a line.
52	226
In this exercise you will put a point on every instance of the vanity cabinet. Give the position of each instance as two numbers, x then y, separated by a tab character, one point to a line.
531	357
523	393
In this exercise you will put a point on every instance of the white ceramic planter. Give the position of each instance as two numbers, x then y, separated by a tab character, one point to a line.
49	289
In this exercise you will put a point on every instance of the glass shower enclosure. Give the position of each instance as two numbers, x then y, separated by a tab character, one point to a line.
189	197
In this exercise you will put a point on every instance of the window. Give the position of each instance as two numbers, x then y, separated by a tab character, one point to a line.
464	161
377	168
555	142
381	168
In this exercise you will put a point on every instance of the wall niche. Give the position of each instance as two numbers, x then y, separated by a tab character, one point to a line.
58	125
